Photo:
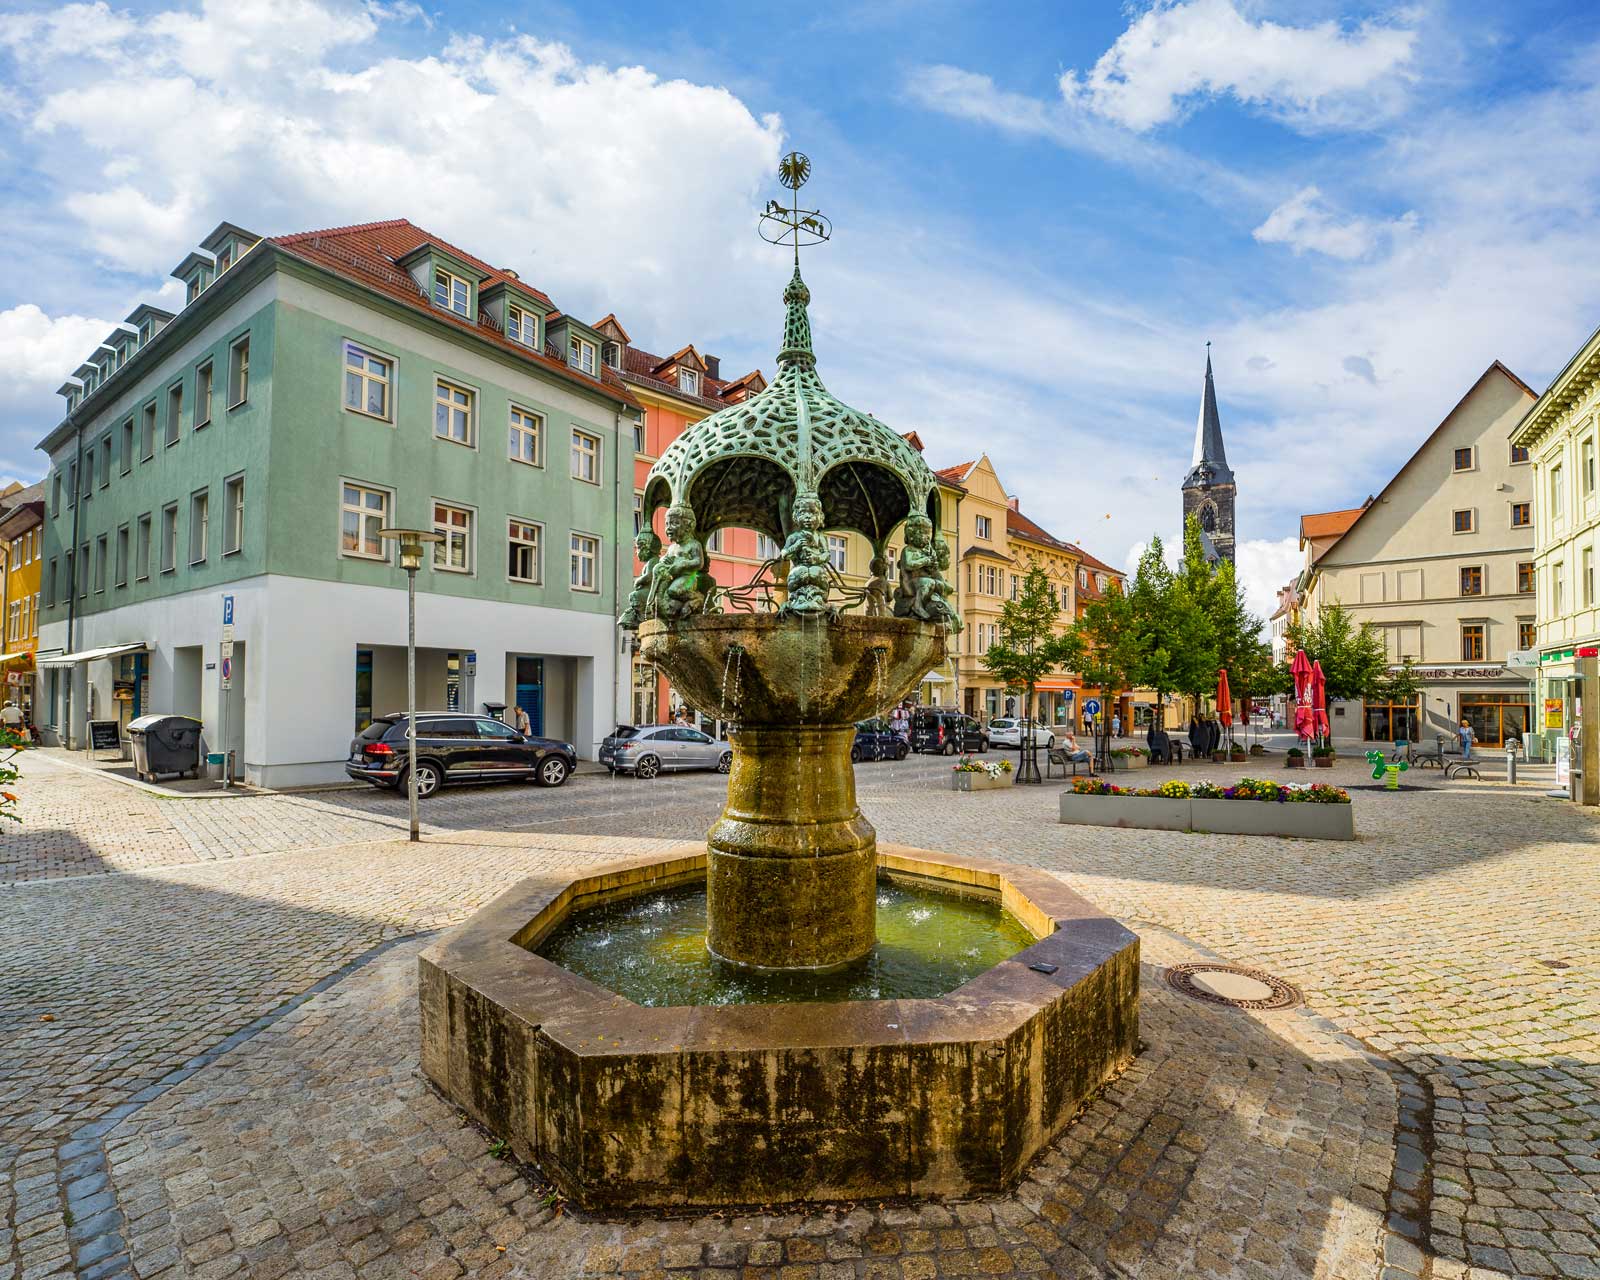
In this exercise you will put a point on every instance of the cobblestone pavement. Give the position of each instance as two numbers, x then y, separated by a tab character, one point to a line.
187	1110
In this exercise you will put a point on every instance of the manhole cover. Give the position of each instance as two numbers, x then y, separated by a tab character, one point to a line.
1232	985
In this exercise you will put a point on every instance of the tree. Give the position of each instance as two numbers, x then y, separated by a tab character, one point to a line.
1354	664
1028	647
1105	649
1177	640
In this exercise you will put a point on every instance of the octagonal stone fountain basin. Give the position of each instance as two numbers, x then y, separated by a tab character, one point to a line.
625	1105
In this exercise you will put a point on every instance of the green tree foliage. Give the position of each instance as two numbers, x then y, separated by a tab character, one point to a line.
1028	647
1354	664
1106	647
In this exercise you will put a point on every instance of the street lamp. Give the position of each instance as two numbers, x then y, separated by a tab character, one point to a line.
411	543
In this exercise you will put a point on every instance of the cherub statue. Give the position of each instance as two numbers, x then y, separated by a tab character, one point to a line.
806	550
679	582
946	588
648	547
922	588
878	587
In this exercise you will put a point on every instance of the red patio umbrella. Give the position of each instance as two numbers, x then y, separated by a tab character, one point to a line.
1319	698
1305	719
1224	701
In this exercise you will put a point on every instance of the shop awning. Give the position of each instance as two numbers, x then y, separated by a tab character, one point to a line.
1054	684
88	655
933	677
9	657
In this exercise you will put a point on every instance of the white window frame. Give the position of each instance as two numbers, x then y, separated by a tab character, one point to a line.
205	374
1558	495
1472	525
575	454
440	401
513	524
450	280
144	534
689	382
985	528
1472	459
199	520
575	557
838	551
174	422
362	372
522	325
638	512
766	547
455	534
522	431
239	372
169	544
233	492
582	356
363	513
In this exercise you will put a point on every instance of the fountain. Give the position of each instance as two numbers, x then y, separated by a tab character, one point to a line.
723	1025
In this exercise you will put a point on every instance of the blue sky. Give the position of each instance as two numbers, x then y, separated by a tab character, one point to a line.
1042	211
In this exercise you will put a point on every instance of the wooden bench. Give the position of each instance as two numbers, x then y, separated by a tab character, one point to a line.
1058	758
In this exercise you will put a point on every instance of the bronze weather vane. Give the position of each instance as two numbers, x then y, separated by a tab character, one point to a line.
794	225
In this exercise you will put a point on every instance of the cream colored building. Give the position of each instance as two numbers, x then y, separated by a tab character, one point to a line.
1558	435
1442	561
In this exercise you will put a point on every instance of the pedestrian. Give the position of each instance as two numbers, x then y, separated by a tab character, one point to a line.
520	721
1116	724
1467	739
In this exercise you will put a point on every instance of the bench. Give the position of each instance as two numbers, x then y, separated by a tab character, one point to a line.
1058	758
1422	757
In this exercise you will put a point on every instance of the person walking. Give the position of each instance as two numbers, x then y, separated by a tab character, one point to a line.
520	721
1116	725
1467	739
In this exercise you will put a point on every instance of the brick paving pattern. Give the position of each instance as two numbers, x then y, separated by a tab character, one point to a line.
186	1111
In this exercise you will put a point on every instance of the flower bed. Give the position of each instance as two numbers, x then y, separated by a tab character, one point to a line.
972	774
1315	811
1130	758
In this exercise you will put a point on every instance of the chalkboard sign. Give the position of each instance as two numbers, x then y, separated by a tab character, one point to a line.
104	735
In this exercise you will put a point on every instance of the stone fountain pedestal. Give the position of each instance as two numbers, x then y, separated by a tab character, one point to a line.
792	875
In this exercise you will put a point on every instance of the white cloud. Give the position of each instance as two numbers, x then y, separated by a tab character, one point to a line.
1305	223
1175	54
1264	565
38	351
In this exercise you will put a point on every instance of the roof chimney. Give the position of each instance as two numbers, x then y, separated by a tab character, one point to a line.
1015	504
713	367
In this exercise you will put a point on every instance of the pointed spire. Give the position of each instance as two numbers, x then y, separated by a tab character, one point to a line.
797	325
1208	450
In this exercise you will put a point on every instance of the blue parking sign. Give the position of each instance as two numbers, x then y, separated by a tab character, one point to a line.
227	611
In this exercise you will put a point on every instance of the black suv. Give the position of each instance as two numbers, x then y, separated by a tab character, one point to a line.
945	731
456	748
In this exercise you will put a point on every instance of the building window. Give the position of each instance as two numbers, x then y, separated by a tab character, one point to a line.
714	542
1588	467
141	550
1518	453
1472	642
83	571
122	556
105	461
611	353
1472	581
1525	577
1557	494
522	326
580	355
585	457
127	446
147	432
199	525
638	437
1588	576
224	260
1527	633
366	381
1463	460
766	548
1558	588
362	512
584	568
1521	515
203	378
452	412
638	514
689	381
88	474
454	554
985	527
1066	596
55	493
169	538
837	550
239	372
100	550
450	292
1462	520
50	582
525	561
233	515
527	436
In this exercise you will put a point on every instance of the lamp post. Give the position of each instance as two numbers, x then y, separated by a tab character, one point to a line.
411	543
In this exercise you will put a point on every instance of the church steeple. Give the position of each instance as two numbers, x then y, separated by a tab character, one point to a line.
1208	489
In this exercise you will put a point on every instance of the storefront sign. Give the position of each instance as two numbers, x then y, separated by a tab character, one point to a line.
1552	713
1563	763
1460	673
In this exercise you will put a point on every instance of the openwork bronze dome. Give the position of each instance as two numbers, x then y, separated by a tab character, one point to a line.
746	465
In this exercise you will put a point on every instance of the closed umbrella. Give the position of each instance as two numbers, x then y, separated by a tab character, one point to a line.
1225	702
1319	698
1305	720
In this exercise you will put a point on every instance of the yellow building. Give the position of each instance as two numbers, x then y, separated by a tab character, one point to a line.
22	544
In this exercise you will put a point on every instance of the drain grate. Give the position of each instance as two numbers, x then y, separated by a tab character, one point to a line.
1232	985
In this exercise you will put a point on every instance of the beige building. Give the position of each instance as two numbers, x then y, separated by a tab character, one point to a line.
1558	437
1442	561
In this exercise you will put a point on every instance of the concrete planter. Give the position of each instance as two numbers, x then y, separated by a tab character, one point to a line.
1301	820
1294	762
1124	763
980	781
1159	813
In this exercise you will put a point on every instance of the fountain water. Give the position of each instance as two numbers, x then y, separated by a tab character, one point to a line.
637	1031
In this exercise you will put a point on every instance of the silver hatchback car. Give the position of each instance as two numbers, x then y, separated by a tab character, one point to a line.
650	749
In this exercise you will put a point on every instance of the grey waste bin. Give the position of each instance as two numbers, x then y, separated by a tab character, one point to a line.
165	744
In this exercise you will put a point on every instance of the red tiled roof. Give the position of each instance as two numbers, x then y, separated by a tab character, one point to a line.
1329	524
1019	526
640	366
367	254
957	473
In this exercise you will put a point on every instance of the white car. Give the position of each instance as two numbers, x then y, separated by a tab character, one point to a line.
1007	732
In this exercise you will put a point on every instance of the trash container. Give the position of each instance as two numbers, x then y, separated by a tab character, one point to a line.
165	744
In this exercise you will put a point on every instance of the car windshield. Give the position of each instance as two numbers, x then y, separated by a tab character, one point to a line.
375	730
625	731
1001	724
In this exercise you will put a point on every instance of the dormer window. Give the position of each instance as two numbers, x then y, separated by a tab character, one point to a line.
689	382
580	355
193	291
611	354
450	292
144	333
224	259
522	326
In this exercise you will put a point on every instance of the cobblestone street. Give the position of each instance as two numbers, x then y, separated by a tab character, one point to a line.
208	1043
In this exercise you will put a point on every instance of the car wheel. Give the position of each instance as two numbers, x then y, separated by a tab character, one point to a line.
725	762
646	767
429	776
983	746
855	755
552	771
901	751
949	749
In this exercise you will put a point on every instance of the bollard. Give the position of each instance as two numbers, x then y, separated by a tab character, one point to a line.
1511	763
